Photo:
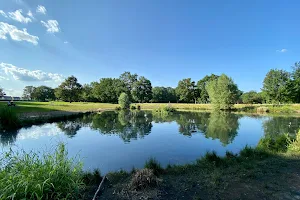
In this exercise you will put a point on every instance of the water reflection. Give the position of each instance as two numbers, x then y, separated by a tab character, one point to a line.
135	125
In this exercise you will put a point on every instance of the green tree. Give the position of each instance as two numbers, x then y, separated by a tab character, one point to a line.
69	90
43	93
296	82
2	93
251	97
108	90
187	91
223	92
128	79
201	84
87	93
163	95
124	101
142	90
277	86
27	92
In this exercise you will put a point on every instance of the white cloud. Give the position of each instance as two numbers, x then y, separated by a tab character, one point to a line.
16	34
41	9
17	16
51	25
66	42
282	50
4	78
3	13
28	75
30	14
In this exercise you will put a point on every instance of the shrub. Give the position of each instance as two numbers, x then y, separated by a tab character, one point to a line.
274	144
139	107
143	179
132	107
118	108
8	118
124	101
294	145
154	165
30	176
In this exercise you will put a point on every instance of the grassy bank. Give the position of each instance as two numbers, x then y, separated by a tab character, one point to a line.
270	171
42	107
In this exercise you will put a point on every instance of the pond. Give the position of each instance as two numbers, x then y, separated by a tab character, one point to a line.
112	140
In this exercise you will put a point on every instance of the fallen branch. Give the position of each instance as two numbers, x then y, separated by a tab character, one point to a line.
99	188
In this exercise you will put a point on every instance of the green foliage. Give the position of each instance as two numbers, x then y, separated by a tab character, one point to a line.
124	101
2	93
139	107
30	176
8	118
142	90
274	144
223	92
201	84
132	107
187	91
43	93
163	95
294	145
87	93
277	86
153	164
28	92
69	90
252	97
262	109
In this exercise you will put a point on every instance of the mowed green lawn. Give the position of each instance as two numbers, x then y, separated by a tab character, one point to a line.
26	107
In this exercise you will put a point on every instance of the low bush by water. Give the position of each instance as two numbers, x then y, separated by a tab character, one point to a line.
8	118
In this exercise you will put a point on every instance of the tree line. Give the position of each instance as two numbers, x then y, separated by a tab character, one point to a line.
279	86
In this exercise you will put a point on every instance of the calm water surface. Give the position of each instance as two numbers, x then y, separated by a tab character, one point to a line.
120	140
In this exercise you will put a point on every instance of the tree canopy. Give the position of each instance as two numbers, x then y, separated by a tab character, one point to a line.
69	90
187	90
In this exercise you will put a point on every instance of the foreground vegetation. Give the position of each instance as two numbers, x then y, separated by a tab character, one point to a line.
270	171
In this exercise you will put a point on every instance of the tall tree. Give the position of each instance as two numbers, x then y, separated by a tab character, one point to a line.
28	92
223	92
87	93
296	81
69	90
277	86
251	97
128	79
201	84
163	94
2	93
43	93
187	91
142	90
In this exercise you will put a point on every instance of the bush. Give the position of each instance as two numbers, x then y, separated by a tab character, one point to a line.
274	144
262	109
118	108
124	101
132	107
294	145
30	176
154	165
8	118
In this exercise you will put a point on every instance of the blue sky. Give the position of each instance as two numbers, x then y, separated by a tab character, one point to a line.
163	40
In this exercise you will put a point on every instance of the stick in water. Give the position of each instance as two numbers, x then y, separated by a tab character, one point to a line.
99	188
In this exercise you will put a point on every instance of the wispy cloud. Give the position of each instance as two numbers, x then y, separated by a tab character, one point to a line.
29	75
3	78
18	16
41	9
282	50
66	42
16	34
30	14
51	25
3	14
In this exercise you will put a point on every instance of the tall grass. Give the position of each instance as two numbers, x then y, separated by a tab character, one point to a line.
8	118
153	164
30	176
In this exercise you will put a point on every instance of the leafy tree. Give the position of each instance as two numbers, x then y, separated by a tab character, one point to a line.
277	86
28	92
124	101
87	93
251	97
223	92
163	95
69	90
187	90
2	93
128	79
296	81
43	93
108	90
142	90
201	84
